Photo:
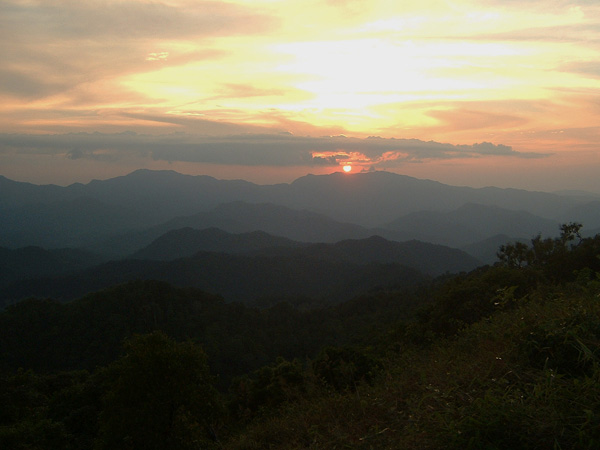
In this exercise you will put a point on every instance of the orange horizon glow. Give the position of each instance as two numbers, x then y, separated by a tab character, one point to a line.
523	76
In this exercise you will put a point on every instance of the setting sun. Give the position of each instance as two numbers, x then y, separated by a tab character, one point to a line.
461	92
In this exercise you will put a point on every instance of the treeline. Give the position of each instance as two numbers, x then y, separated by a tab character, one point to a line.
506	356
243	278
48	336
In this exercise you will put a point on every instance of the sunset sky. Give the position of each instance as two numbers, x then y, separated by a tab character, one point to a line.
477	93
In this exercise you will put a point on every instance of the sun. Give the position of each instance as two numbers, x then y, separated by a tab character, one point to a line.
347	168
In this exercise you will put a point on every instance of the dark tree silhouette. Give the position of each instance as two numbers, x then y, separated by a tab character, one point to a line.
159	396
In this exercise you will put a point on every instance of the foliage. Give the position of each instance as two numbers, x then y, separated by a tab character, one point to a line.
45	335
344	368
159	396
479	389
468	298
556	259
267	388
506	356
50	411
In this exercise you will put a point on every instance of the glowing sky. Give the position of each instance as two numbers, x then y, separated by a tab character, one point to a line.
487	92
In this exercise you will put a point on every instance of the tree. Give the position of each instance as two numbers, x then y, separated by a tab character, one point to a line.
269	387
570	231
344	368
159	396
557	259
515	255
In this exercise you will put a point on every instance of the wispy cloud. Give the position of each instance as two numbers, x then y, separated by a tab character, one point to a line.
221	82
58	45
129	19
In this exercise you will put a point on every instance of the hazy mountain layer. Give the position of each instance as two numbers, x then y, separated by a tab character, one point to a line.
235	277
32	262
331	272
472	223
428	258
241	217
82	215
187	241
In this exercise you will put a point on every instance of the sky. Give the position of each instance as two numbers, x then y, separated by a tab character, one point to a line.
475	93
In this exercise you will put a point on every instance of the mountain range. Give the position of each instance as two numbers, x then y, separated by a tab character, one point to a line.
327	236
253	266
325	208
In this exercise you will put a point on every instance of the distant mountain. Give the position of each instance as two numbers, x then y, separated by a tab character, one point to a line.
428	258
587	214
82	215
242	217
17	193
584	196
35	262
187	241
486	250
235	277
68	223
278	220
325	271
376	198
472	223
157	195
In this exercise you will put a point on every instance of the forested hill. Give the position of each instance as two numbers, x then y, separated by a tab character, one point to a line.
236	277
187	241
49	336
505	356
327	273
430	259
35	262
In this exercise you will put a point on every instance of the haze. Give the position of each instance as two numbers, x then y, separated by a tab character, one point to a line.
470	93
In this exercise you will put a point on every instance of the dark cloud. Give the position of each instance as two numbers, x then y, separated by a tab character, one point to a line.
277	150
75	154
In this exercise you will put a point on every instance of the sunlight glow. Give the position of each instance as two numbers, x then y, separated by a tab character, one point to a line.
458	72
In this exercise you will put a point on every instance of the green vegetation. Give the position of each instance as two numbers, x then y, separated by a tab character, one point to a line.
158	395
506	356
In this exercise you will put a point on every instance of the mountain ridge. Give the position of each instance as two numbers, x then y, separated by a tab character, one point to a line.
150	198
334	271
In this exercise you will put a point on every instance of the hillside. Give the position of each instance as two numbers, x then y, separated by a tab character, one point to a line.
184	242
70	223
33	262
255	266
506	356
240	278
515	380
428	258
48	336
